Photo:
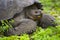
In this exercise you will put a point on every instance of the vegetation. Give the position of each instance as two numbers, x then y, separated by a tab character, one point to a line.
51	7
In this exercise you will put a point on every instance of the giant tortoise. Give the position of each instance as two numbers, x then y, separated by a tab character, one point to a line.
17	9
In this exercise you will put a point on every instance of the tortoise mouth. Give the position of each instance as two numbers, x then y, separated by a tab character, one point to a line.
36	17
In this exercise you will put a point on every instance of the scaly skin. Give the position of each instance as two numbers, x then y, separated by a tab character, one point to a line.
25	26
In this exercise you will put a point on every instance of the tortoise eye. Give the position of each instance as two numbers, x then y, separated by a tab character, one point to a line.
36	12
